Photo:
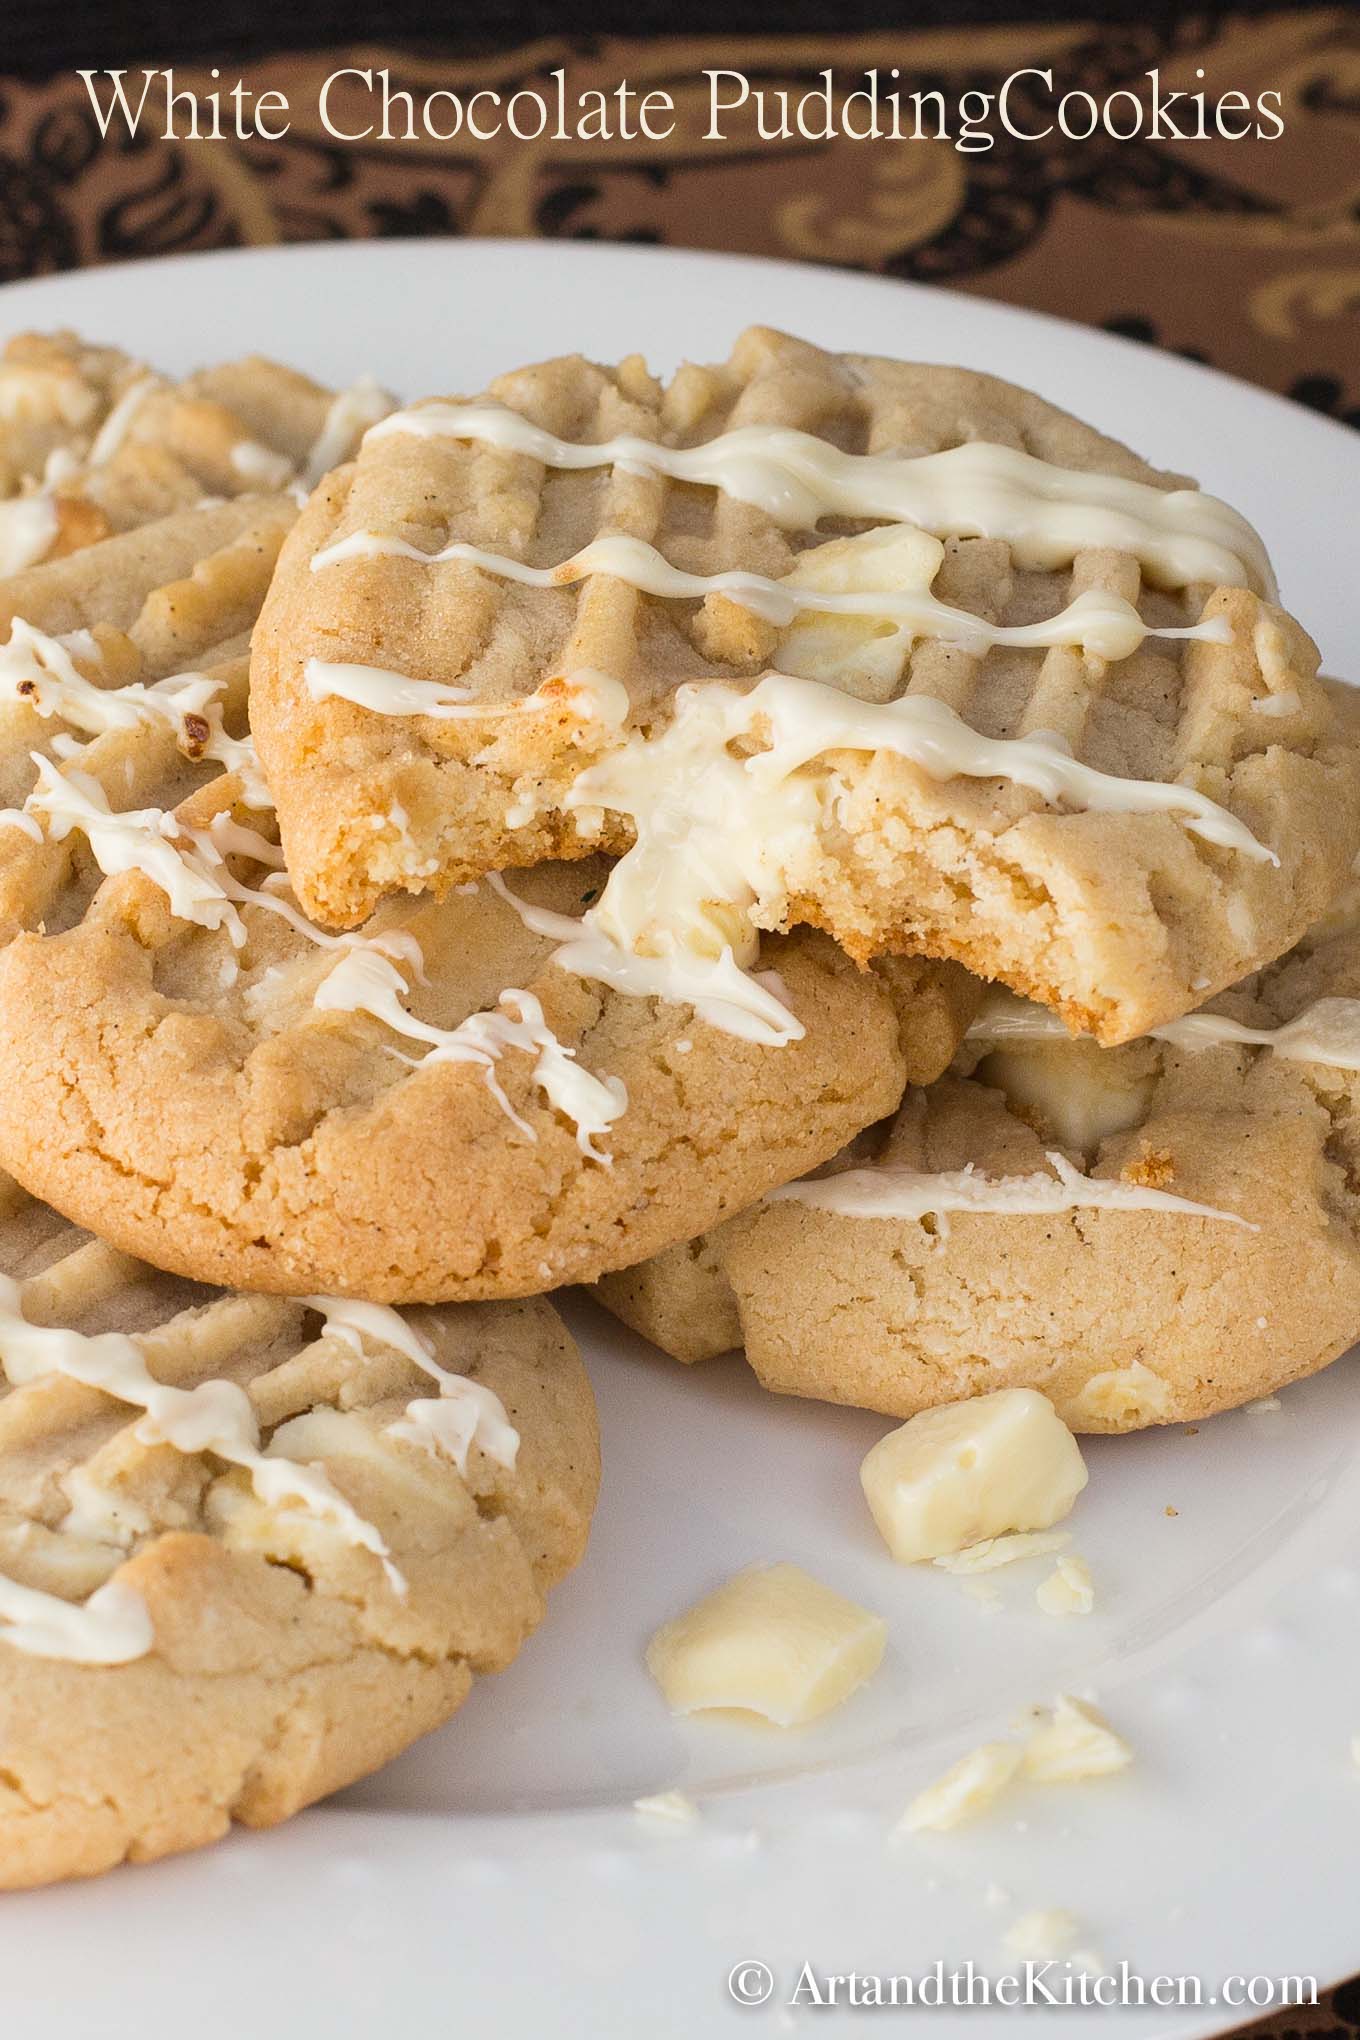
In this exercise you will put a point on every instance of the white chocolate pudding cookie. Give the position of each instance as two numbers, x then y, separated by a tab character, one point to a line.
1145	1234
252	1547
903	652
430	1110
93	443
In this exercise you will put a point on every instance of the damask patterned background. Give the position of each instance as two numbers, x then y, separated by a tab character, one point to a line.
1246	255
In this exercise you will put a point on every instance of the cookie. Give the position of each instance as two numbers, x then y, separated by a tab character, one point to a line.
250	1548
902	652
1146	1234
127	664
93	443
434	1111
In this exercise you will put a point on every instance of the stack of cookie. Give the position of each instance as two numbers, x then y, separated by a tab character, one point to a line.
838	854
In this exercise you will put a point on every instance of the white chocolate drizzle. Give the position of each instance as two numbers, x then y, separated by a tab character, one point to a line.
1046	514
148	840
259	466
190	867
112	1627
1098	621
749	1004
363	982
1327	1030
215	1417
586	695
719	836
28	529
118	423
463	1415
41	671
892	1192
351	412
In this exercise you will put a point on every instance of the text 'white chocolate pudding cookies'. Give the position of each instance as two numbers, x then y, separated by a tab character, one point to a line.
902	652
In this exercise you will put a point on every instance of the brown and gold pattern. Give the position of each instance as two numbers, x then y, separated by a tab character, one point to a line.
1243	254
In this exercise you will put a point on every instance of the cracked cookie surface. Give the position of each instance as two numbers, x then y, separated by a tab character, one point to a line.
271	1651
1123	1316
1119	916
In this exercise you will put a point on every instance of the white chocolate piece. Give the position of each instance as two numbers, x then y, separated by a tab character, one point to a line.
43	396
1042	1936
1068	1590
675	1808
966	1471
965	1790
1046	514
1074	1742
260	466
1125	1397
998	1551
773	1641
1079	1091
28	530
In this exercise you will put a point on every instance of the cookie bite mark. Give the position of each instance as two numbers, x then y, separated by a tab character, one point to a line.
1156	795
210	1077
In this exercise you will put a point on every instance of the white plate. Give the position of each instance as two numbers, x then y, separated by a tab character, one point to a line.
496	1878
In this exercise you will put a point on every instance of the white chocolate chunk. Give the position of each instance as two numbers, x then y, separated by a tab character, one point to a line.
1080	1093
966	1789
996	1551
968	1471
1042	1936
773	1641
1068	1590
1075	1741
1122	1396
675	1807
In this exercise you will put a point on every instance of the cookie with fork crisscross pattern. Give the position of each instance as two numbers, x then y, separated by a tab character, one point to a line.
93	443
471	1121
1119	919
1123	1316
278	1657
142	611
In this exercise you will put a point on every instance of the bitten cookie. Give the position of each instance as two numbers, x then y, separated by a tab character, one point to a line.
903	652
252	1547
432	1111
1146	1234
